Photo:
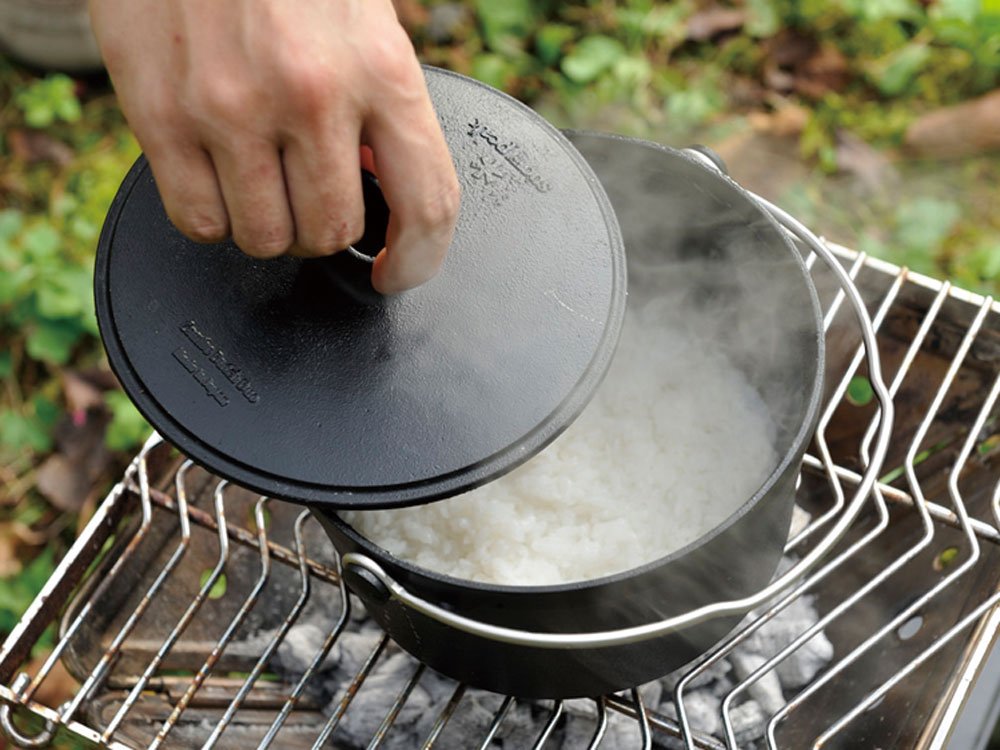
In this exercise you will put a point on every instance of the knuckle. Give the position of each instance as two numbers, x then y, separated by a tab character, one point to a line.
215	99
440	210
392	59
348	232
263	243
309	87
204	229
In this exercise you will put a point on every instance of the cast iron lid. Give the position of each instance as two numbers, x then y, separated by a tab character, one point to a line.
293	377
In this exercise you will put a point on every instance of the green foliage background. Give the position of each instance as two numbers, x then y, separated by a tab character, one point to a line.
631	66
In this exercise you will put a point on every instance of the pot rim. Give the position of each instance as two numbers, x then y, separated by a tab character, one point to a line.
793	454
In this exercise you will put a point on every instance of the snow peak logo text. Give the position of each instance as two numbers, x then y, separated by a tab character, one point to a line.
199	374
513	153
216	356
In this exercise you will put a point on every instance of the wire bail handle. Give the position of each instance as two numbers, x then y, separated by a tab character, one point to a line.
374	584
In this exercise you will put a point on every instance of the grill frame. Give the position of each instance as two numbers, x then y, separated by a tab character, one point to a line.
979	627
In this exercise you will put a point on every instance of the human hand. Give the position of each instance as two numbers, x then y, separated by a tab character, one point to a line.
256	117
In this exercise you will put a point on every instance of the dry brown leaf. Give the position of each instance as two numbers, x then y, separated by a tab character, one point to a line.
62	482
80	393
796	62
764	163
823	72
37	146
777	79
965	129
790	49
746	93
10	563
872	169
711	22
67	476
412	14
787	119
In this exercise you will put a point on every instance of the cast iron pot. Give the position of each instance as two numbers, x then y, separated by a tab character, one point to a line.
687	227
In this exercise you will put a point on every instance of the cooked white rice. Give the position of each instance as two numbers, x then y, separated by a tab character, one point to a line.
673	442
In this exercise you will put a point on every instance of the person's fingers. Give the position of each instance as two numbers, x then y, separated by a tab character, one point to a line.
253	187
418	180
323	180
186	179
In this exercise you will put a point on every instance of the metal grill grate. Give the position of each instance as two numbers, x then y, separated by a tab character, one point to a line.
186	602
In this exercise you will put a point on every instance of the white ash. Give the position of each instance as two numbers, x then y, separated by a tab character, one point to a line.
715	672
802	665
702	710
748	720
766	690
759	701
621	733
301	645
525	720
800	519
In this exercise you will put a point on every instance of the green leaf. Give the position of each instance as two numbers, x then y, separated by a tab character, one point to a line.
502	20
127	427
49	99
980	268
20	431
491	69
52	341
43	646
665	21
960	10
17	593
894	73
218	589
550	40
14	284
10	223
591	57
39	114
860	391
69	109
923	224
878	10
633	71
65	292
83	229
41	241
6	365
693	106
46	410
762	18
985	262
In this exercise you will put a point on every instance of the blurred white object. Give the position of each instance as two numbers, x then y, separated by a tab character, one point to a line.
50	34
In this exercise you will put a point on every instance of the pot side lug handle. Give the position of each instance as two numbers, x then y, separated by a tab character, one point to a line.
708	157
364	582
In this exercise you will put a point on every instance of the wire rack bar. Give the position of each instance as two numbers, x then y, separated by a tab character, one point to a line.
447	712
928	526
349	694
882	524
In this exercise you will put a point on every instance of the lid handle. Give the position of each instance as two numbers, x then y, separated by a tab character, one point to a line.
376	220
351	271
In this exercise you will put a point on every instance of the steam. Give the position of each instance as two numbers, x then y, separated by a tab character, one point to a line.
706	255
